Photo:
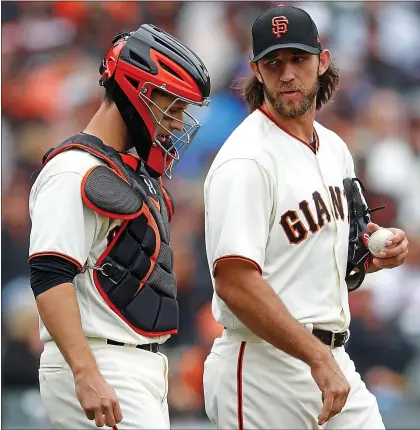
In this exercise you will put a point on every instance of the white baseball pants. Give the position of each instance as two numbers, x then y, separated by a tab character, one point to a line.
249	384
139	378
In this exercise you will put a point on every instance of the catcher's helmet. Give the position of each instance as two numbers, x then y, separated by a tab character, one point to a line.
148	59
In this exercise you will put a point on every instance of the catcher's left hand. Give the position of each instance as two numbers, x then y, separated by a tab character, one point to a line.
396	248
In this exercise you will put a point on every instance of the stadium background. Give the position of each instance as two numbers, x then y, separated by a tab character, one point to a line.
50	56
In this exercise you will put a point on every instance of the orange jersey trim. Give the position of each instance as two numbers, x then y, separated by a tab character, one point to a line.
263	110
57	254
237	257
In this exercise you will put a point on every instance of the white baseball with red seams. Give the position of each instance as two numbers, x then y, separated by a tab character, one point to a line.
377	240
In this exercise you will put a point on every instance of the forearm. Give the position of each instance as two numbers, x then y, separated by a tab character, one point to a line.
254	302
59	311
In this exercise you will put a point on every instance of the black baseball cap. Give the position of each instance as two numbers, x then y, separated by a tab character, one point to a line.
284	27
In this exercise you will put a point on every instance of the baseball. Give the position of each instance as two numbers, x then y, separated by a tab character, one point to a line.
377	240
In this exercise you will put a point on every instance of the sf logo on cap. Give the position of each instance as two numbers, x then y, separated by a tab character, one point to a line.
279	24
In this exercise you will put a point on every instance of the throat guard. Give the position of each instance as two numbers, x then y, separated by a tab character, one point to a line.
134	274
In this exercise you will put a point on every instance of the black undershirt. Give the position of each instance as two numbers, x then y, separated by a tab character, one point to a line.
49	271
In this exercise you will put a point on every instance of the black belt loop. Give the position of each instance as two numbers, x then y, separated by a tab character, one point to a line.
334	340
151	347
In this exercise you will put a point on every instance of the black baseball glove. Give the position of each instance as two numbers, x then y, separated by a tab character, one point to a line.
359	217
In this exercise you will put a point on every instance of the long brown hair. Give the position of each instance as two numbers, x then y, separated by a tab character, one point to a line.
251	89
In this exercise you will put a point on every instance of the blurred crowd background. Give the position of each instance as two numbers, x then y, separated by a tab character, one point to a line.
50	55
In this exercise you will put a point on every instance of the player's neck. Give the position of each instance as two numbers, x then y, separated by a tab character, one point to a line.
108	126
302	127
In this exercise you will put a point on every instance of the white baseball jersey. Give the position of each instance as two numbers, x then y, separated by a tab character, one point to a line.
272	200
62	225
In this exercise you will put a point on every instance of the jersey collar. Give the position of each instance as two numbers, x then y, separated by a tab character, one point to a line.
267	114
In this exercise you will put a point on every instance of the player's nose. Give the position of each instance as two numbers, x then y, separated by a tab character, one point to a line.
177	125
287	73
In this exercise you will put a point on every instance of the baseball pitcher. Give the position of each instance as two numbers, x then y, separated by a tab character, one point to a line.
286	226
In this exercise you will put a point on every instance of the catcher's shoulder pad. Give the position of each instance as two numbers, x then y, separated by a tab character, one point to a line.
108	194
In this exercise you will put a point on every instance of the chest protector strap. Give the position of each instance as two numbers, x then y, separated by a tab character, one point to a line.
134	274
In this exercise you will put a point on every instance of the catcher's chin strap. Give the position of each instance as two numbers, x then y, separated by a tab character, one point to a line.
359	217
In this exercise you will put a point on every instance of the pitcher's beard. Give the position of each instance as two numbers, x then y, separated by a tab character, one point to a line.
289	109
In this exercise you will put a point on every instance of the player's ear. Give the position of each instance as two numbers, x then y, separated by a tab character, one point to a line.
324	61
254	68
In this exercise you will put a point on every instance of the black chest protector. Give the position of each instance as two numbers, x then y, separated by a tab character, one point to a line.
134	274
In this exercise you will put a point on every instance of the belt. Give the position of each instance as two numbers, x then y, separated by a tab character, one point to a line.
152	347
335	340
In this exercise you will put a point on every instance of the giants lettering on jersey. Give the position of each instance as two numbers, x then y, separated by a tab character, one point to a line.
297	231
